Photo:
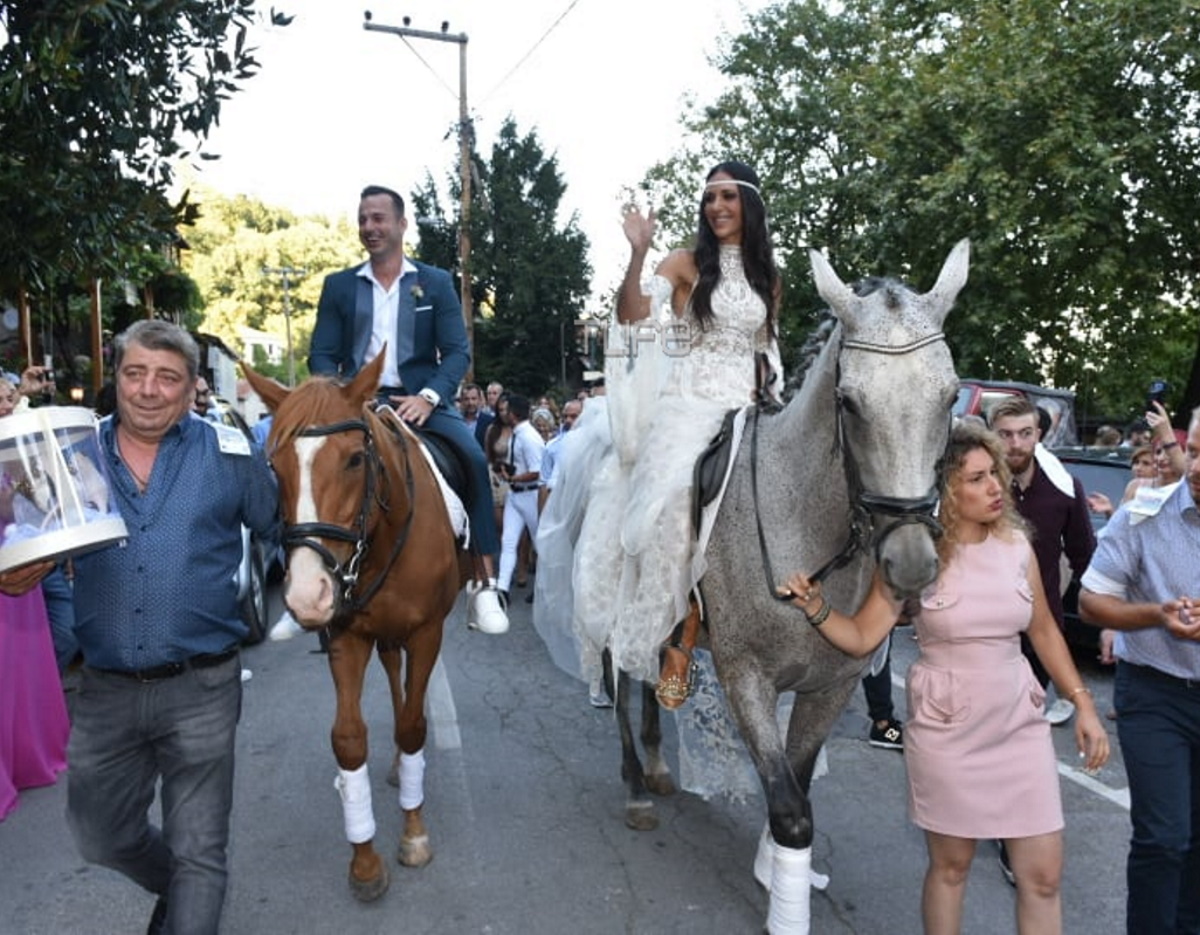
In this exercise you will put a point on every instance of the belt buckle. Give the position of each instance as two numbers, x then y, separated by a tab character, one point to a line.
159	673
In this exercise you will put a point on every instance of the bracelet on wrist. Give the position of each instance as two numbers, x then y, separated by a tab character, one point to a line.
1082	689
821	615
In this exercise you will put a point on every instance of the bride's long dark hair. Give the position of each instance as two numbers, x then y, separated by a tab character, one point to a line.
757	255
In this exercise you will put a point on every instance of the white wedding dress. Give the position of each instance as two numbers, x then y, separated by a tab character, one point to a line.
697	384
617	554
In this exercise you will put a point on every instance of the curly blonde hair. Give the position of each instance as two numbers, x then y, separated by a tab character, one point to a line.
971	435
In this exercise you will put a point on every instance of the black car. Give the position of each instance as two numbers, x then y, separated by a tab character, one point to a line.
1099	470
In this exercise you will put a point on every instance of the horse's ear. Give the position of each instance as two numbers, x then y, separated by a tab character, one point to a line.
829	284
366	381
952	277
271	392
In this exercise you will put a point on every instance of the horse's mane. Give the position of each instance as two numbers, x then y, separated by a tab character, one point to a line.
827	323
317	401
810	350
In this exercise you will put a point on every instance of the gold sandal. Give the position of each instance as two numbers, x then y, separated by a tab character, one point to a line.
676	678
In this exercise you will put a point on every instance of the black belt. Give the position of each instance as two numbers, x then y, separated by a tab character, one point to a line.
1159	675
171	669
522	488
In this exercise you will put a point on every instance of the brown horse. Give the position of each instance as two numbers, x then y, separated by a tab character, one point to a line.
373	557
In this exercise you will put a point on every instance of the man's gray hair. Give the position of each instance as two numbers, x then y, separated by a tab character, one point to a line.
154	334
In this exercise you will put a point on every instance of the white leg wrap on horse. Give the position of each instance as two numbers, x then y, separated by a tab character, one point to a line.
412	779
764	859
354	787
789	912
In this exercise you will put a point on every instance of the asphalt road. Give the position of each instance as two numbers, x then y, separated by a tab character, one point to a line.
524	804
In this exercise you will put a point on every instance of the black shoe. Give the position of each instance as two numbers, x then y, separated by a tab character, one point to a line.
1005	866
159	917
888	737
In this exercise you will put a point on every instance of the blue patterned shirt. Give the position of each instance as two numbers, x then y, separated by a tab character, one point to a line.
169	592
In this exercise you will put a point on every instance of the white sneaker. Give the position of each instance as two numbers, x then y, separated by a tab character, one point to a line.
1060	712
485	610
285	627
597	696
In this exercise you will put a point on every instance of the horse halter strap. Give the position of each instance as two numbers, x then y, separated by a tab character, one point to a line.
863	503
309	534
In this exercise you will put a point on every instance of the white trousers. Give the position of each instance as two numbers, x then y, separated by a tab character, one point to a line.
520	513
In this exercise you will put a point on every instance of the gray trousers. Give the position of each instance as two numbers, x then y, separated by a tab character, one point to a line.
125	735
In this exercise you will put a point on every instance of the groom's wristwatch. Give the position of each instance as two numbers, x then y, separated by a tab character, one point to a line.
430	396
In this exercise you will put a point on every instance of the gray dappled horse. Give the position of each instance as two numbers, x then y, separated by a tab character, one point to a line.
857	448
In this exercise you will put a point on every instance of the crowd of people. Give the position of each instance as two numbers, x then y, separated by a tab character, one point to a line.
159	641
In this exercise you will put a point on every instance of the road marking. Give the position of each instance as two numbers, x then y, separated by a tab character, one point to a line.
1119	797
443	716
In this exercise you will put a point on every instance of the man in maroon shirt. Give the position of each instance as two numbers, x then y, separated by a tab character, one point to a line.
1055	507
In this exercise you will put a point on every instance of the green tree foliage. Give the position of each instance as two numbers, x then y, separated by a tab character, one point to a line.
233	239
1062	139
529	270
99	99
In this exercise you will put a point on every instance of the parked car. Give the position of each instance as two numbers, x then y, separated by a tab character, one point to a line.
261	560
1099	470
976	397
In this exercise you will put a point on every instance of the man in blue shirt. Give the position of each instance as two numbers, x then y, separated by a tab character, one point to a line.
157	621
1144	580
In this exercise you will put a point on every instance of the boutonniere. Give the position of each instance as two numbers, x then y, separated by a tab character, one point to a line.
417	292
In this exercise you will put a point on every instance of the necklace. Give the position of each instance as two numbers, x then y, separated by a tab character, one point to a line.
140	478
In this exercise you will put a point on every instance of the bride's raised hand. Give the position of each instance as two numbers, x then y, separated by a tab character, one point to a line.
639	228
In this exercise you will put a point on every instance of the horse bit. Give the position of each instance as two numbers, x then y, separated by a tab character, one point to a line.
904	510
308	534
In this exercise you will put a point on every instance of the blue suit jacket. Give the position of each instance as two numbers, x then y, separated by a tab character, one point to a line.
430	343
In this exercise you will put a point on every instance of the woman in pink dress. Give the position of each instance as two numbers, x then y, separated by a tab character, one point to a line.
33	713
980	759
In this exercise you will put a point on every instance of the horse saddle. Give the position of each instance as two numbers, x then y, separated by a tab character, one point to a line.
711	467
449	461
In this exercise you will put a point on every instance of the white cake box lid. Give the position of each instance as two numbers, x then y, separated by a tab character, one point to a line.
55	498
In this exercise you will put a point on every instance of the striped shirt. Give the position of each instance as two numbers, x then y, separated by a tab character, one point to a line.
1152	559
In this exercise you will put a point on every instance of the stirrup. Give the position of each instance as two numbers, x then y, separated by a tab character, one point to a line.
677	678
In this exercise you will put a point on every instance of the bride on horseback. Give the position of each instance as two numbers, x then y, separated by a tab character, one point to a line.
711	311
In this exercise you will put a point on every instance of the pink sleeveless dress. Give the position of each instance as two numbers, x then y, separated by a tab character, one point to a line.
980	760
33	713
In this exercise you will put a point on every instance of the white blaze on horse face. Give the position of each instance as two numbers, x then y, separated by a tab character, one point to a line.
310	589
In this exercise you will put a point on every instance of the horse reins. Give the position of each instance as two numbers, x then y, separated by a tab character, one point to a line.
307	535
863	503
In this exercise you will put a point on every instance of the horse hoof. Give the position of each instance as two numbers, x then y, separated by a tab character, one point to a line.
367	891
640	816
660	783
414	852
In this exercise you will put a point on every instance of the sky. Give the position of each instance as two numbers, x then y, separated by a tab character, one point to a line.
336	107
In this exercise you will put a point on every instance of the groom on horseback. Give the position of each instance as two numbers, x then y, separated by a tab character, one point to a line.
409	312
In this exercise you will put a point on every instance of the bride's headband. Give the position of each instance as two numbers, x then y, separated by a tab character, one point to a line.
749	185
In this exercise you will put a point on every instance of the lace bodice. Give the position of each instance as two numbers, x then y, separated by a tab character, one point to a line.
720	363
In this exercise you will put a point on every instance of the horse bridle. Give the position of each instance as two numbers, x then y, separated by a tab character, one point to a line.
375	494
863	503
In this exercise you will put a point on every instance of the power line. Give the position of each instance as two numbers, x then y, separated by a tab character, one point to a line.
524	58
412	48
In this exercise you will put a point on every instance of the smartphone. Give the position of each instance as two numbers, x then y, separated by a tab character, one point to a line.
1158	394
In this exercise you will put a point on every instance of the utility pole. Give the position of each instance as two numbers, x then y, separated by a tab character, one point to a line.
465	135
286	273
